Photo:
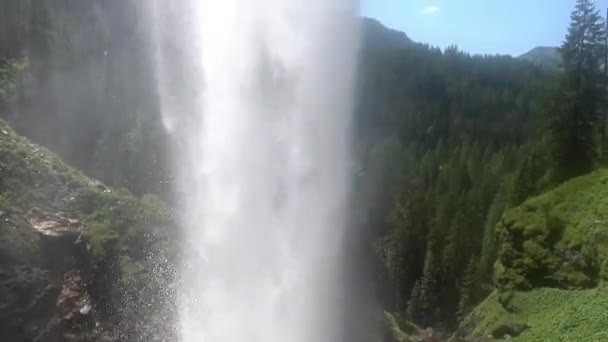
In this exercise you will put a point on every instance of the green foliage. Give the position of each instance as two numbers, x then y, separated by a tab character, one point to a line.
466	165
101	236
581	94
485	266
467	289
526	182
557	239
441	220
439	135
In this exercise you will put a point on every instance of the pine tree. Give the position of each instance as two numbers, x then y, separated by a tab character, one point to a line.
423	307
488	246
582	92
527	177
467	289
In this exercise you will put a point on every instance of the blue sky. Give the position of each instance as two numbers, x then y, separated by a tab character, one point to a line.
479	26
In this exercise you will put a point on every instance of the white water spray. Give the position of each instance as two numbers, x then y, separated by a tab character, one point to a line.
264	161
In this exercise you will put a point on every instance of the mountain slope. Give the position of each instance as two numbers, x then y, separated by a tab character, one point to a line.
544	56
552	267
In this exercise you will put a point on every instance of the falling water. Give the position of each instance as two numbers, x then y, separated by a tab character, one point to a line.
258	92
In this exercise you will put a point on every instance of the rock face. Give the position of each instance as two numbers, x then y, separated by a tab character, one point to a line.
52	225
73	317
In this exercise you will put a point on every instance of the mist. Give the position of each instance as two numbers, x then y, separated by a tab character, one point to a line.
264	166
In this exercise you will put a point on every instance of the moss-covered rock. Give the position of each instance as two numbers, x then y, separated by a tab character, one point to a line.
116	242
31	176
559	239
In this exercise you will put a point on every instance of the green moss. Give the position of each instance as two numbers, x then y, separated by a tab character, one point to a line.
122	217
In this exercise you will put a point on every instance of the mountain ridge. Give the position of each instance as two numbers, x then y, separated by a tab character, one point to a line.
543	56
381	35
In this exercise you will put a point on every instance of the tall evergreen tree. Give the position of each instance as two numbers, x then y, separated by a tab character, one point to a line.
582	92
467	291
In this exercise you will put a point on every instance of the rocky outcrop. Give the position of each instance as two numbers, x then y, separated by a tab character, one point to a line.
53	225
73	318
78	261
67	293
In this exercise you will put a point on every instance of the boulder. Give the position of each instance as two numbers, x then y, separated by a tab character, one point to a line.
53	225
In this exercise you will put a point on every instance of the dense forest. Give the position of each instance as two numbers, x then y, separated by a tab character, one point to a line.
452	141
445	142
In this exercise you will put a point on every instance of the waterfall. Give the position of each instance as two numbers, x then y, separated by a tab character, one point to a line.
258	94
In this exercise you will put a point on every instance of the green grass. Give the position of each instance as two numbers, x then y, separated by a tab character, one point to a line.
553	315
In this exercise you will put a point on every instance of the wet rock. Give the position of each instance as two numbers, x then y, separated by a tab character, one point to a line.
53	225
73	315
73	300
59	238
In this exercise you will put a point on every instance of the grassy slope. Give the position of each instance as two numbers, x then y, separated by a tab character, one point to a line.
552	266
31	176
552	314
132	252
